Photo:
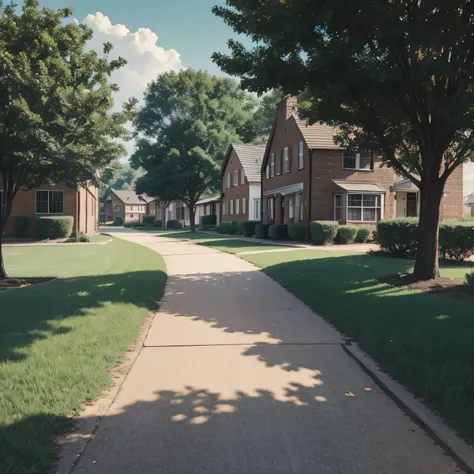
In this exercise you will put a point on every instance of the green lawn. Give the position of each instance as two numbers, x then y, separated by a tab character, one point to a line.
57	339
239	246
424	341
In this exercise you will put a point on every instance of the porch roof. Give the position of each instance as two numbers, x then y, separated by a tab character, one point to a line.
284	190
360	187
405	185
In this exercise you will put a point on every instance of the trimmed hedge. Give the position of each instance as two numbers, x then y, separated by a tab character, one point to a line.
248	228
209	220
21	225
323	232
59	227
158	223
207	227
225	227
297	231
148	220
261	231
469	280
235	228
118	221
346	234
174	224
399	237
278	232
131	224
363	235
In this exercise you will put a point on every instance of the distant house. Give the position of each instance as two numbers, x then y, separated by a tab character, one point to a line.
208	206
306	176
58	200
128	205
469	205
241	183
105	209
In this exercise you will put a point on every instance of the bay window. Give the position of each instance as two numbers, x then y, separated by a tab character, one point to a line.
364	207
337	207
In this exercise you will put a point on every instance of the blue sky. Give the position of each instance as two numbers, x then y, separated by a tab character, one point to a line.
187	26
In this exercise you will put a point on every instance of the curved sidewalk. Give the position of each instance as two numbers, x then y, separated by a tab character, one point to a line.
238	376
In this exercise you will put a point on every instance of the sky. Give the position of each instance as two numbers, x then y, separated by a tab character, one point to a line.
156	36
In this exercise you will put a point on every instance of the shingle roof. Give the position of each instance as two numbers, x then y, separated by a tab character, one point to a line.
208	200
469	199
251	157
318	135
131	197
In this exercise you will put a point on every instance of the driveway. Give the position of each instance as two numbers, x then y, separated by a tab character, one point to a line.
238	376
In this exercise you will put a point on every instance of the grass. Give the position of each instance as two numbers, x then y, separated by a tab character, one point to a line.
237	246
424	341
57	339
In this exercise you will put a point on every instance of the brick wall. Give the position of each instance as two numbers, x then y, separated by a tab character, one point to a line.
238	192
452	203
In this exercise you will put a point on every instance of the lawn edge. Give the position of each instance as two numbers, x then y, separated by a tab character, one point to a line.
431	423
73	444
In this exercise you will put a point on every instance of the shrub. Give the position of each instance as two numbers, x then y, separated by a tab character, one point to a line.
22	225
58	227
248	228
118	221
225	227
209	220
456	241
207	227
158	224
235	228
174	224
469	280
261	231
363	235
83	237
398	236
346	234
131	224
323	232
148	220
297	231
278	232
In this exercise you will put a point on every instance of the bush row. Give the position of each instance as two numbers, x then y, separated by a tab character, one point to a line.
329	232
58	227
399	237
208	220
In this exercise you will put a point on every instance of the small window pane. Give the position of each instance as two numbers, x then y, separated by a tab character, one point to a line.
365	160
354	214
42	202
371	215
369	200
350	160
355	200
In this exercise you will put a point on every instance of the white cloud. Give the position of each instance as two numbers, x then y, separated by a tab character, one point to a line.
145	59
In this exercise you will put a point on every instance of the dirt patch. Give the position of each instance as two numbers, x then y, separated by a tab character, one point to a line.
439	286
12	283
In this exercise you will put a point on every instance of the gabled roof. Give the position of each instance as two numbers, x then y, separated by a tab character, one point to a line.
469	199
208	200
131	197
250	157
318	136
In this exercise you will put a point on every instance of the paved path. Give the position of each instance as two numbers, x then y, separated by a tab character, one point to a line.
237	376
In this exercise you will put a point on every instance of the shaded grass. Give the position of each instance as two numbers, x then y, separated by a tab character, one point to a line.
57	339
423	340
188	235
238	246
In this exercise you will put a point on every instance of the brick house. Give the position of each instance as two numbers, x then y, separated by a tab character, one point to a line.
128	205
307	177
208	207
241	183
57	200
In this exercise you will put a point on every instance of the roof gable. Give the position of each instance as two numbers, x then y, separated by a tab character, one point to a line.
250	157
131	197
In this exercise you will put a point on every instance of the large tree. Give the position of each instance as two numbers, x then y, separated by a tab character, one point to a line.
183	130
55	119
124	177
394	76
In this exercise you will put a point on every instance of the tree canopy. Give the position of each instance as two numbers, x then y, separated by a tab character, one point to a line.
124	177
55	119
395	77
183	131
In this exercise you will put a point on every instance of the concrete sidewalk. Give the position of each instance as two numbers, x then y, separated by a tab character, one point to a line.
238	376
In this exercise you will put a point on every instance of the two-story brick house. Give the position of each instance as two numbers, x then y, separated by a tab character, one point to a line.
128	205
241	183
306	176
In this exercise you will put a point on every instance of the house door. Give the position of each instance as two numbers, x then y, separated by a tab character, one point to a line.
411	205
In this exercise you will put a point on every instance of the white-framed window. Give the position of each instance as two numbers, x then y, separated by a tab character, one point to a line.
357	161
300	156
286	160
49	202
117	207
299	207
231	204
291	207
228	180
256	209
244	205
337	207
242	176
272	165
237	207
224	207
267	171
270	208
236	177
364	207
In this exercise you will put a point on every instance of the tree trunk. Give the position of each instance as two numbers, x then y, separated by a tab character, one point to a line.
192	215
427	255
3	274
